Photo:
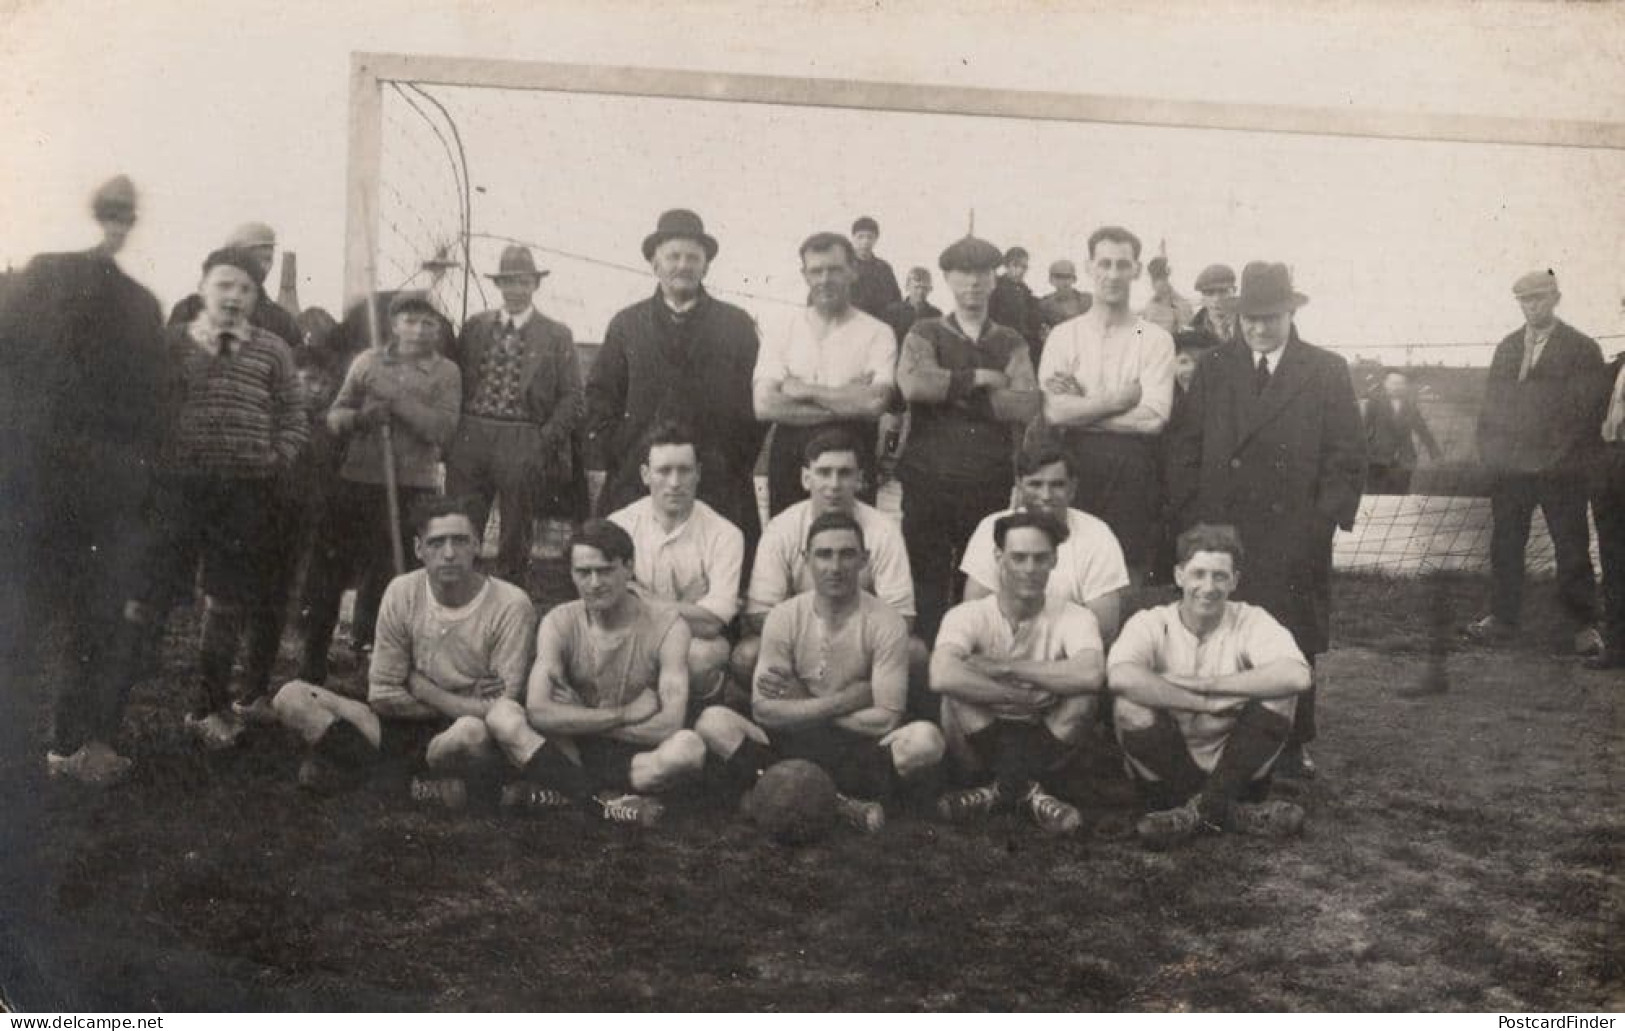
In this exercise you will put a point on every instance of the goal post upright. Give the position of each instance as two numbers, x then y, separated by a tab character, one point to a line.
362	179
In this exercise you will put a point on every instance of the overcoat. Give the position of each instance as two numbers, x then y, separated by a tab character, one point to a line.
1284	466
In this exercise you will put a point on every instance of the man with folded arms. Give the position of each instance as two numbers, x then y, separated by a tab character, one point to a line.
1204	691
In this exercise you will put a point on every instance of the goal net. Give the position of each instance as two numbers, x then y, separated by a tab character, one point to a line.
1406	232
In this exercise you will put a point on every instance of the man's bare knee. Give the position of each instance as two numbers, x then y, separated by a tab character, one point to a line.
722	730
917	746
742	663
506	720
466	740
1069	719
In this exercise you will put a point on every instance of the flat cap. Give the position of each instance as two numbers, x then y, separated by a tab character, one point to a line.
252	234
970	254
1215	277
114	197
1536	282
1063	268
411	300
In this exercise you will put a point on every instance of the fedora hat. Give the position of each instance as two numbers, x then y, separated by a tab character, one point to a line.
1266	289
679	224
515	261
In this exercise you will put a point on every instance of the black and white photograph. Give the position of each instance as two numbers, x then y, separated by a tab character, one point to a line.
768	507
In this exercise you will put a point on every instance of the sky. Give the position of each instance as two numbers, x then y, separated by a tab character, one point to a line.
226	112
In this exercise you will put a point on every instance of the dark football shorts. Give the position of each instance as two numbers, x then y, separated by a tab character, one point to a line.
404	744
857	764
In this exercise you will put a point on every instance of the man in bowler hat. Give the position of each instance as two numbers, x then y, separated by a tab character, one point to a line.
1269	441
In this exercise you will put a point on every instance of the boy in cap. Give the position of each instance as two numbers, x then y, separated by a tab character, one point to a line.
876	288
1167	308
1538	436
521	405
1066	301
970	387
82	353
236	426
1217	316
406	386
258	241
1014	305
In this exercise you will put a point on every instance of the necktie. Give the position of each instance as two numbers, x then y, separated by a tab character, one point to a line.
224	343
1261	378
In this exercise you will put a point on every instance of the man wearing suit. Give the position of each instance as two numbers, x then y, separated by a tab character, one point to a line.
1268	440
1393	424
521	401
679	354
1537	433
1608	508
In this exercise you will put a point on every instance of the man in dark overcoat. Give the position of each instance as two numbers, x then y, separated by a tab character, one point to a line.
1537	437
683	355
1269	440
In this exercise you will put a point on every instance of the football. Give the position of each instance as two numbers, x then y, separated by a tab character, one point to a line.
793	802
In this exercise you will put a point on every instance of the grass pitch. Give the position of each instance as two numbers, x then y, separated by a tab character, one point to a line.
1463	853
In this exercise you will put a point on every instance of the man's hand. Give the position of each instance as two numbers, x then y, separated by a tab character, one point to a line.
1127	395
375	412
987	666
1032	702
778	684
992	379
561	692
692	591
1064	383
644	706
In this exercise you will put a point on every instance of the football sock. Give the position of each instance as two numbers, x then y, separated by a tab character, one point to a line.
742	768
222	627
550	766
1161	749
1256	739
345	746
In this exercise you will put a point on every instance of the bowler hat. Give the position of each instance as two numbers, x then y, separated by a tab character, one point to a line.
1215	277
1266	289
679	224
970	254
1536	282
515	261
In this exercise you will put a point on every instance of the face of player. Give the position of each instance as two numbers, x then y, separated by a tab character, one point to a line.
1048	489
517	292
864	243
971	290
836	558
316	387
1206	581
672	475
415	331
830	277
1062	282
228	295
831	481
919	288
1025	563
447	547
1266	333
601	581
116	231
1396	386
1221	301
680	266
1114	269
1184	368
264	256
1539	309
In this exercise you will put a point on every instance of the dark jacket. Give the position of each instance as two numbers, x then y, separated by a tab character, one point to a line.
1014	305
698	373
876	287
901	316
1285	468
1546	423
550	378
1390	437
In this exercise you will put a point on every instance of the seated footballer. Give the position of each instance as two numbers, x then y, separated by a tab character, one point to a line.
602	722
1205	689
831	687
450	643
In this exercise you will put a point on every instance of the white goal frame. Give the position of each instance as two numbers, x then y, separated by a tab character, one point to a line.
370	71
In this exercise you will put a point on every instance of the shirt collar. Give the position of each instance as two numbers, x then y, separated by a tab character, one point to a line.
207	335
1538	337
952	321
392	356
519	321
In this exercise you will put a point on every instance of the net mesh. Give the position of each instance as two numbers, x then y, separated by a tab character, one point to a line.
466	171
